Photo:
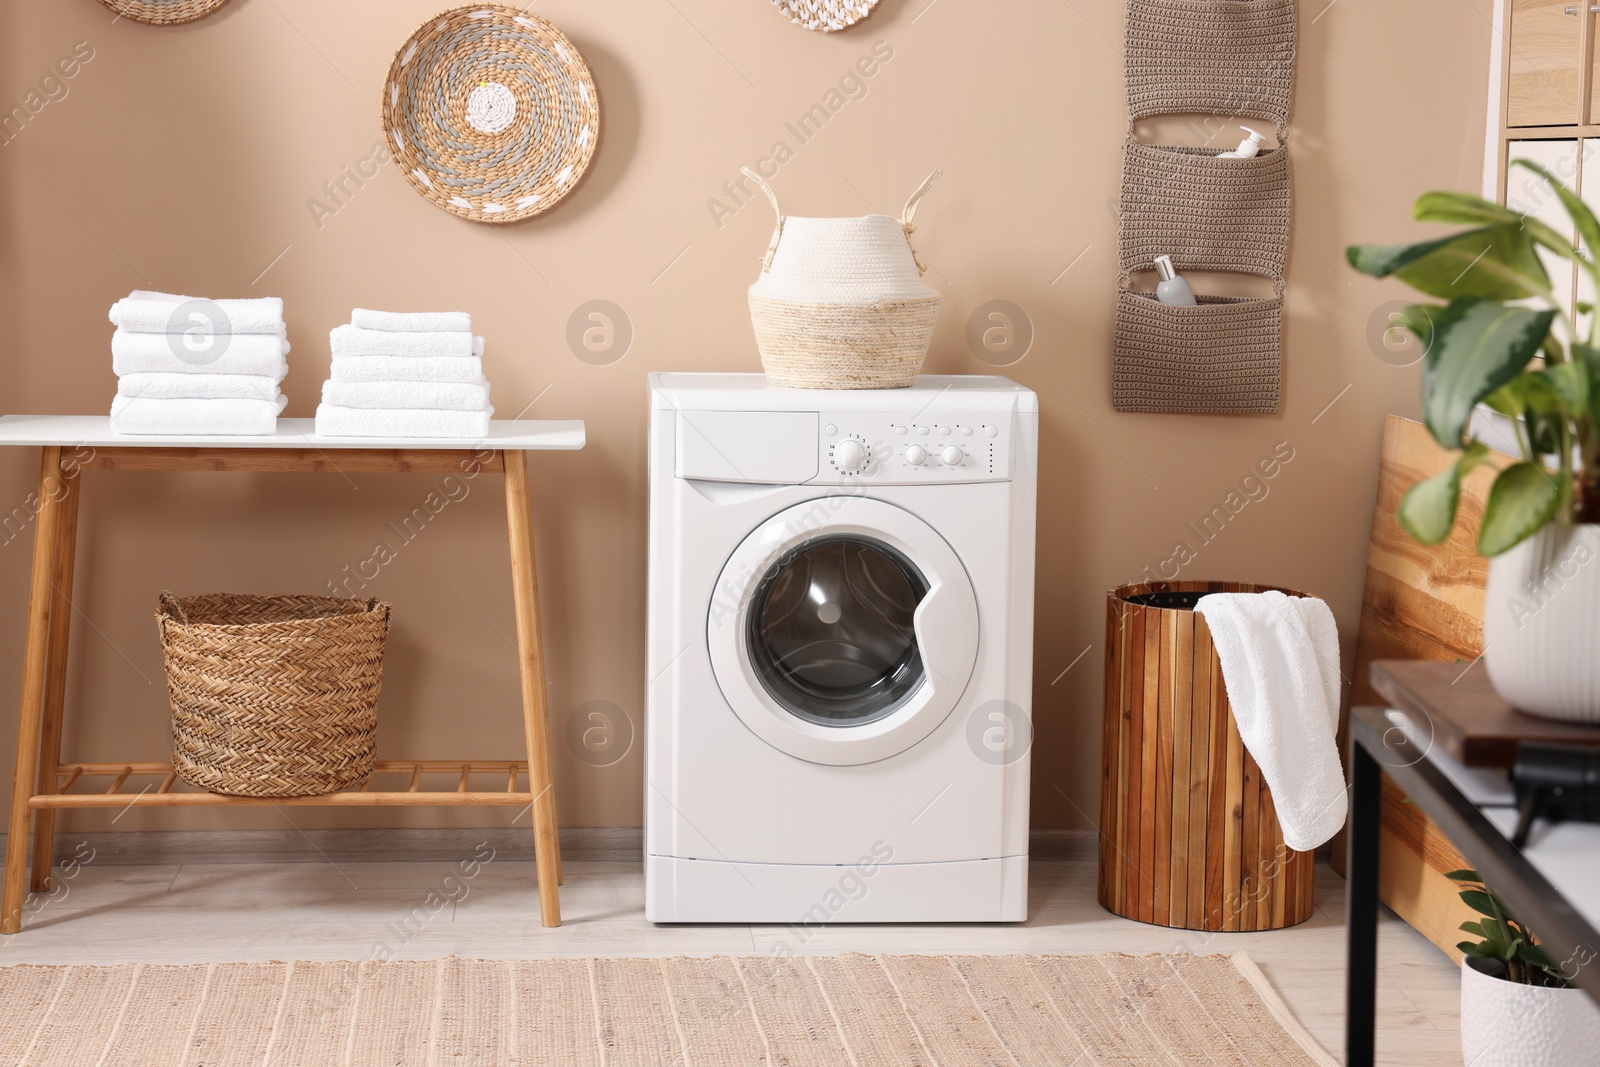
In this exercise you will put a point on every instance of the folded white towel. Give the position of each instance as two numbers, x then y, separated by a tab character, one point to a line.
336	421
246	353
408	369
199	386
444	396
412	321
244	418
143	311
354	341
1280	664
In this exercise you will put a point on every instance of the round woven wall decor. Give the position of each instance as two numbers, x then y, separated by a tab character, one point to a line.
825	16
163	12
491	113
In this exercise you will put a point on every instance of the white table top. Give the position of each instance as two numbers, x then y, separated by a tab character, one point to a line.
515	435
1568	854
1487	787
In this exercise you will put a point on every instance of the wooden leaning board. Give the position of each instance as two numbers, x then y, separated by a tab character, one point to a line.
1419	603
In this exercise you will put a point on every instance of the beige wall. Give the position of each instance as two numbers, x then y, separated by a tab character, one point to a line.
187	159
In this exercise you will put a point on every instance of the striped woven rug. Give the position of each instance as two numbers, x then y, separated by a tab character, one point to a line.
840	1011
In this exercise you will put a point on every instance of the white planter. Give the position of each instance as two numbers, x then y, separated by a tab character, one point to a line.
1541	623
1504	1024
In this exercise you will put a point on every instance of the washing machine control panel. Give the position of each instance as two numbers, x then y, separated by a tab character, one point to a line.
897	449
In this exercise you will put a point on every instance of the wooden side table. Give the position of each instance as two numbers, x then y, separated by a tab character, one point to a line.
1454	711
1463	714
72	444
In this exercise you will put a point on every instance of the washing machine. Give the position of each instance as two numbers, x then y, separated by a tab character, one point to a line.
840	616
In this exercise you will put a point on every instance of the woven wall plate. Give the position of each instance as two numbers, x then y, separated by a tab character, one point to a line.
491	113
163	12
825	16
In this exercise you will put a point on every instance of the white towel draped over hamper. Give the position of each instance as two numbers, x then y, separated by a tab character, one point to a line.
1280	663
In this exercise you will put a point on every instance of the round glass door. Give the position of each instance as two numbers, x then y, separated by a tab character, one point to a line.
831	630
842	631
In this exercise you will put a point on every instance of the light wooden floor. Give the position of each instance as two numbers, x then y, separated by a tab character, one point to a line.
358	909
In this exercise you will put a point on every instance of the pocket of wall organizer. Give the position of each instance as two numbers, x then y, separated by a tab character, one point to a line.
1214	57
1221	356
1204	212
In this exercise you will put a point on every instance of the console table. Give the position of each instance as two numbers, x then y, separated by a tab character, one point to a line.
1445	725
72	444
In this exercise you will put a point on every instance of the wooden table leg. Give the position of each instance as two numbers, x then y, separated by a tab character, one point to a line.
45	541
55	682
535	711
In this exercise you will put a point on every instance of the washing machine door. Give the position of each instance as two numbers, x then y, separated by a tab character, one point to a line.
843	630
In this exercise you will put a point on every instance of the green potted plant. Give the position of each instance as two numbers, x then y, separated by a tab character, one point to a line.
1494	336
1518	1009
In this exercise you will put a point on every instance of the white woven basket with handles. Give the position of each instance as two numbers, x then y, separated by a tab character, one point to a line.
840	303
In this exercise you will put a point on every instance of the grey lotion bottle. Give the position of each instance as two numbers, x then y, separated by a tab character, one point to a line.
1172	289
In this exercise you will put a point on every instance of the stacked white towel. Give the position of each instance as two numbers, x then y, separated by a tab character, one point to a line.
187	365
399	374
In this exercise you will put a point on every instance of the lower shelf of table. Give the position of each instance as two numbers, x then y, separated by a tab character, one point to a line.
165	789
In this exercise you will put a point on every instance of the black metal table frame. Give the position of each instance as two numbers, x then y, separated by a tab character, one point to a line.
1378	747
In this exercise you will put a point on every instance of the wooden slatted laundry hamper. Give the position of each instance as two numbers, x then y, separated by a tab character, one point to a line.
1188	834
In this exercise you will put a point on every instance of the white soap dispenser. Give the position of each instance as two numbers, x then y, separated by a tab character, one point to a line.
1248	148
1172	289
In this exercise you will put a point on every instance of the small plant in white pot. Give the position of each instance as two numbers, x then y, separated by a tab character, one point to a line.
1503	341
1518	1009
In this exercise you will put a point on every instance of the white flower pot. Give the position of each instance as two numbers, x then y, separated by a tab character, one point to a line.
1504	1024
1541	623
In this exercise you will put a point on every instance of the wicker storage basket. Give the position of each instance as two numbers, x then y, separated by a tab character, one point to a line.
1220	356
1206	213
273	696
1189	835
843	346
840	303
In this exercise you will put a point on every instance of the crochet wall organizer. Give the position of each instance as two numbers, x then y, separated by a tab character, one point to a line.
491	113
163	12
1233	59
825	16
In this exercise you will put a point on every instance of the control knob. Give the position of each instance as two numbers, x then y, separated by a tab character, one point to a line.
916	455
952	456
850	456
